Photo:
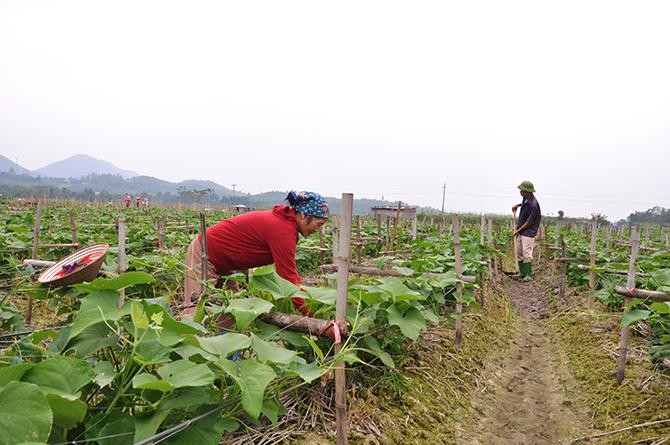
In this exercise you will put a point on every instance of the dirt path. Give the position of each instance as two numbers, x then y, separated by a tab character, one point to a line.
528	398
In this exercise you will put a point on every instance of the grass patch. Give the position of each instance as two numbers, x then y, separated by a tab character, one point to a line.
589	335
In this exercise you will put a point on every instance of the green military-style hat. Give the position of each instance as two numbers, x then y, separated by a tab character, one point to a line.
527	186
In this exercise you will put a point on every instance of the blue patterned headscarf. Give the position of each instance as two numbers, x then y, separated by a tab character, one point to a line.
308	203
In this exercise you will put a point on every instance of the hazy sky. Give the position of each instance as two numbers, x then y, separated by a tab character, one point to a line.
378	98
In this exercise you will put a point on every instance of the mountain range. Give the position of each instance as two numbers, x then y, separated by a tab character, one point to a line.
86	178
76	167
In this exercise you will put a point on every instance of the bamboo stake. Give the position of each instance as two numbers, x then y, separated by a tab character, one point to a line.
335	239
36	241
308	325
385	272
122	258
415	224
340	315
359	247
379	232
160	233
322	244
38	263
482	229
57	246
492	260
73	227
630	283
564	270
459	273
205	259
641	293
396	222
36	229
592	254
388	232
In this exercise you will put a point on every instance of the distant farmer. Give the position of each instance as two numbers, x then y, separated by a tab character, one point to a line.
127	200
526	229
138	201
256	239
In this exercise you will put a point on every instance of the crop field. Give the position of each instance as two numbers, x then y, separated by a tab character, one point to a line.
440	344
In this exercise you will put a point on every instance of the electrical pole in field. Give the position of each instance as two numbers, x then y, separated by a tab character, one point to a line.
444	191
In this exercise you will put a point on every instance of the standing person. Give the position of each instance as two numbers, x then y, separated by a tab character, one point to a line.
526	229
127	199
256	239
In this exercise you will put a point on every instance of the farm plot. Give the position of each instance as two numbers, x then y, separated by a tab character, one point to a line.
137	373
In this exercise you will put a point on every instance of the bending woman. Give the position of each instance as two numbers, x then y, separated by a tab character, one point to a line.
256	239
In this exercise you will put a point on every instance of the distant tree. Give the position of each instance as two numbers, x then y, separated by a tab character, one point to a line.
561	214
657	215
600	218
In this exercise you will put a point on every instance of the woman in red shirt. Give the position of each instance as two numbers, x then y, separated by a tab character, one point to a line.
256	239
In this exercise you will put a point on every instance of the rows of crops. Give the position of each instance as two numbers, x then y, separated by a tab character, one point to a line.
613	254
90	371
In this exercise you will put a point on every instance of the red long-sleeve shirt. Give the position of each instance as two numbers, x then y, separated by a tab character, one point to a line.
256	239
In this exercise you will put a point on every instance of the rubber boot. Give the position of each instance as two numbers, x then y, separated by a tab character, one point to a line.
528	272
520	274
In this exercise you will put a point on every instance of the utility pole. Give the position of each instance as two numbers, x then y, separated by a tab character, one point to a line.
234	185
444	191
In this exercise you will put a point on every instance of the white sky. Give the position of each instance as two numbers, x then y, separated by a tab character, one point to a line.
378	98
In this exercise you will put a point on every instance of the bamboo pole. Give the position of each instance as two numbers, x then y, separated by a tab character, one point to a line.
592	254
459	273
630	284
38	263
322	245
340	315
492	260
73	228
36	229
36	242
57	245
160	233
482	229
415	224
122	257
388	232
396	223
308	325
641	293
387	272
611	271
205	259
564	270
359	246
335	239
379	232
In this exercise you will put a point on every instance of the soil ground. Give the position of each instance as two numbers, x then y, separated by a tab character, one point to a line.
530	397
